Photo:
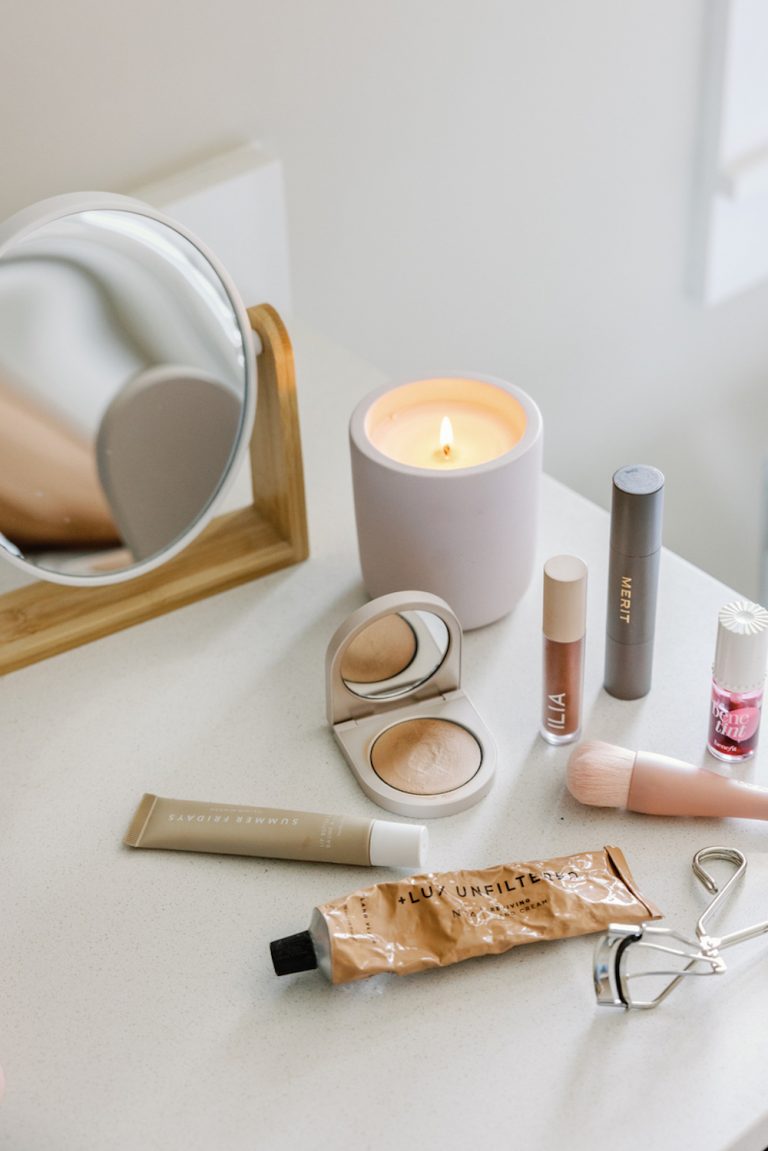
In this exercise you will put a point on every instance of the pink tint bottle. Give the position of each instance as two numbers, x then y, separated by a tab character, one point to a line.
738	677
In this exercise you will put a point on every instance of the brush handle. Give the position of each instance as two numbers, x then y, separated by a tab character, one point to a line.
664	786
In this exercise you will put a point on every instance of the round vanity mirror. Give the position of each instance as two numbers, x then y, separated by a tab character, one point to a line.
394	654
127	388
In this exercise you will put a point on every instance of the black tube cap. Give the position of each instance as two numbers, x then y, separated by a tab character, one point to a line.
293	953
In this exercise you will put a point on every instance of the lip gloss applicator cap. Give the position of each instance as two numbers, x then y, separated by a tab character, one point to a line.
565	599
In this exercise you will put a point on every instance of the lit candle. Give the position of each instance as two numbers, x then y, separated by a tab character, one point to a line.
446	423
446	436
445	474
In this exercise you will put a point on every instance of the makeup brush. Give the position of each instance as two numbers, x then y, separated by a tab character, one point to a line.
604	775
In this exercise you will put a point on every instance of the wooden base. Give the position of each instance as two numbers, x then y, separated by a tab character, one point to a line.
44	619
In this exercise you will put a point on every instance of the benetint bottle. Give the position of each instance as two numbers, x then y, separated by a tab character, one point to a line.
738	678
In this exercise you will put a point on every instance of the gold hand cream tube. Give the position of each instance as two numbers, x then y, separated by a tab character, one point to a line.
233	829
428	921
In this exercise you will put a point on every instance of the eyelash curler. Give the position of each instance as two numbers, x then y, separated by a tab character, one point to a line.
626	954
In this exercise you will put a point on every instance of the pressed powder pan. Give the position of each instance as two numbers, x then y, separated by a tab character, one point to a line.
426	756
412	738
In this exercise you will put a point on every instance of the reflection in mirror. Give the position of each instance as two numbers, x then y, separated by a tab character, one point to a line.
124	392
394	655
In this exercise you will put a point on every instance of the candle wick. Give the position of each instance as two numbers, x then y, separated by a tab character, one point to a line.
446	449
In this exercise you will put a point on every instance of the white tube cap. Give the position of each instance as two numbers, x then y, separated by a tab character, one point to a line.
398	844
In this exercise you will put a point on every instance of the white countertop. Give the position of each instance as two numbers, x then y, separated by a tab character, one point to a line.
138	1006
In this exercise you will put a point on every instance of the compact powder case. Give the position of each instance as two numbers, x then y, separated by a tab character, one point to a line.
393	681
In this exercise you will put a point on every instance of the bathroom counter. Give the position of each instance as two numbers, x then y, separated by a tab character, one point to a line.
138	1006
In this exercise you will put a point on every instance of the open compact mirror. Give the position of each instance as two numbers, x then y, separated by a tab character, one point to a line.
413	739
127	400
394	655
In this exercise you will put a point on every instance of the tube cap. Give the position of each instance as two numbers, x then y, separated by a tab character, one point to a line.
565	598
742	646
637	510
398	844
293	953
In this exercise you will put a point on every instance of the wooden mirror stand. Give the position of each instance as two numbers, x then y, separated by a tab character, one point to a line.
43	619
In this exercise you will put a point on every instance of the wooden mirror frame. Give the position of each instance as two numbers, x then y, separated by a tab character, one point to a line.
43	619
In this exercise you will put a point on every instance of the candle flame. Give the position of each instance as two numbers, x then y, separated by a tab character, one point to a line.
446	436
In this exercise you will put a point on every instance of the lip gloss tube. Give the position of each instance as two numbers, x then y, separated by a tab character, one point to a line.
563	625
738	677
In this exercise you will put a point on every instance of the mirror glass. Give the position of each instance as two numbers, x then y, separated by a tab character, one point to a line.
395	654
125	392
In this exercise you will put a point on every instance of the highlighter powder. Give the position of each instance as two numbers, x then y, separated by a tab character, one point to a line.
426	756
381	651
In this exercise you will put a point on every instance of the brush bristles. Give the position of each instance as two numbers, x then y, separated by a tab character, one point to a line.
600	773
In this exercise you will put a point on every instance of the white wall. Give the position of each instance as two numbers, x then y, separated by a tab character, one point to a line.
502	186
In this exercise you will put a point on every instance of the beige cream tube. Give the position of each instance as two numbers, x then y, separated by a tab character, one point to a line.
234	829
428	921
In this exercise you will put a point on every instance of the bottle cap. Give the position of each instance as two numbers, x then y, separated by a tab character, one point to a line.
637	510
565	598
293	953
742	646
398	844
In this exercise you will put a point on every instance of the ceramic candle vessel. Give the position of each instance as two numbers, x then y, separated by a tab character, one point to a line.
446	484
